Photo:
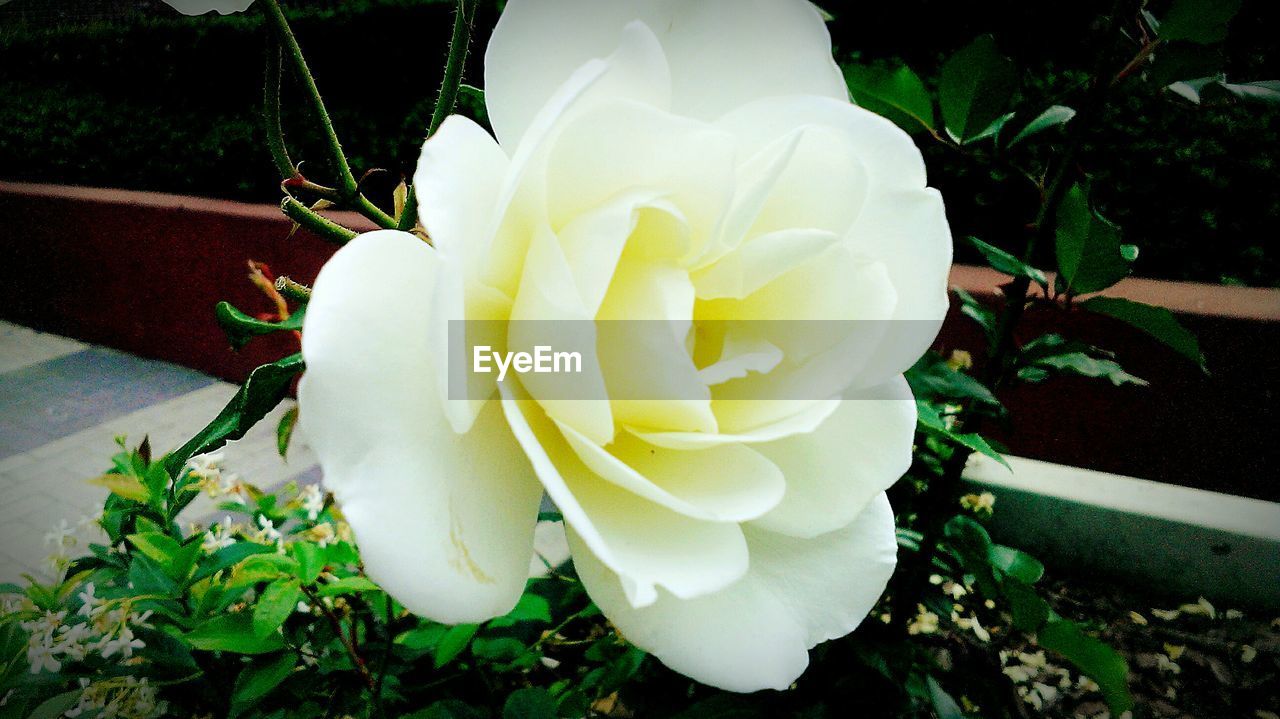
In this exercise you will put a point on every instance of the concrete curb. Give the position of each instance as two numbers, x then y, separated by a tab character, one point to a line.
1180	541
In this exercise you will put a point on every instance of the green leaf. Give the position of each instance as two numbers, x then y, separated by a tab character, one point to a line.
1029	611
898	95
725	705
529	703
310	560
471	104
994	129
150	577
122	485
1174	61
284	431
422	638
56	706
1155	321
278	601
233	633
348	585
1088	246
973	309
1093	657
1192	90
975	86
932	378
228	557
1002	261
1054	116
450	709
453	642
1267	91
258	679
1080	364
266	387
530	608
932	421
1201	21
1016	563
241	328
944	707
158	547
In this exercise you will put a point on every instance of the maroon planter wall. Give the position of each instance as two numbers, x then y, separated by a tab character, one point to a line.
142	271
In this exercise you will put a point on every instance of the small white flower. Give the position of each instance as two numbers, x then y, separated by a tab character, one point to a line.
1202	607
1036	661
925	622
268	534
984	503
1018	673
62	535
1165	664
40	657
972	624
89	604
220	536
312	501
123	644
322	534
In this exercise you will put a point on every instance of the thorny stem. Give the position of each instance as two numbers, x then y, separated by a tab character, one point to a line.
350	191
271	112
347	644
459	44
939	494
389	618
328	229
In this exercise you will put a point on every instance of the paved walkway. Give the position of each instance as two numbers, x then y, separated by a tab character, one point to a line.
62	403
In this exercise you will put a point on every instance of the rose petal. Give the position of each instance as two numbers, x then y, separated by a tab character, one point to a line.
463	506
755	633
901	222
460	172
724	483
834	471
647	544
721	53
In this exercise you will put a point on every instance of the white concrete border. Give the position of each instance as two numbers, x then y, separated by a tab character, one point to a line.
1177	539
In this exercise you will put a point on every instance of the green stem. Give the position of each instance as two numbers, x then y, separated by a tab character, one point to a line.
350	187
325	228
937	503
409	215
271	113
459	44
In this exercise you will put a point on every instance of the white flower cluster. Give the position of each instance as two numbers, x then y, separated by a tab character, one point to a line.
97	628
125	698
1039	682
63	538
213	480
220	536
312	500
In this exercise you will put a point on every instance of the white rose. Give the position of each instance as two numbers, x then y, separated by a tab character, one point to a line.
200	7
665	159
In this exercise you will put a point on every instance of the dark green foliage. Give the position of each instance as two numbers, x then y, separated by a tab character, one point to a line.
165	103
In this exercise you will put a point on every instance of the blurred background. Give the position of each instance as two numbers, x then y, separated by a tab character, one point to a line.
130	94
